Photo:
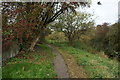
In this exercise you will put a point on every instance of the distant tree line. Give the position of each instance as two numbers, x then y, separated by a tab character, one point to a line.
107	39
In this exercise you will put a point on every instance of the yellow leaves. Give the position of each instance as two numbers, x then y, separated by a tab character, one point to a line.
48	74
23	68
85	38
58	36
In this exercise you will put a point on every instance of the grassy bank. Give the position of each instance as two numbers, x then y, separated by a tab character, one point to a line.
94	65
37	64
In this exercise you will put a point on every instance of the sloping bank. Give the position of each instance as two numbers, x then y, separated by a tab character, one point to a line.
82	64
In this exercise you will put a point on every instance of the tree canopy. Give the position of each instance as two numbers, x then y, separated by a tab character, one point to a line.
73	25
30	19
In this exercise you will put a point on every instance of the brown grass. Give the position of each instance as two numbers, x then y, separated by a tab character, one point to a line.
102	54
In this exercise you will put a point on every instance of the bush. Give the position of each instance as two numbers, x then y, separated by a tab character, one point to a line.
56	36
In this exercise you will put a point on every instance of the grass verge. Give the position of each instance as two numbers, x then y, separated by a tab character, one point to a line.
94	65
37	64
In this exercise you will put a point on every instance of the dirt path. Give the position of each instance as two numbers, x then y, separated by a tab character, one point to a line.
59	64
74	70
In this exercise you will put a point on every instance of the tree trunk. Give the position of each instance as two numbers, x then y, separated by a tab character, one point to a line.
41	36
70	41
34	43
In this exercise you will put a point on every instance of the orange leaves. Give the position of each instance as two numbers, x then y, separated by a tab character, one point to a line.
43	6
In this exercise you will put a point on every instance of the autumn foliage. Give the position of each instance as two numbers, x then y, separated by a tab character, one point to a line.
27	22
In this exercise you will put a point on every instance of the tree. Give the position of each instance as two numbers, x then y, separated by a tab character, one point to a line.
73	25
107	39
53	11
15	27
100	41
113	41
56	36
39	14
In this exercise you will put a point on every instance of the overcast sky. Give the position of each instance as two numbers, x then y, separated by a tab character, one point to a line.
107	12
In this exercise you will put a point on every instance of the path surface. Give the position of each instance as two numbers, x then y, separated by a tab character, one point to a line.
59	64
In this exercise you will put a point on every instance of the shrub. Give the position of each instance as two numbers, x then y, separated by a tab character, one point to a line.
57	36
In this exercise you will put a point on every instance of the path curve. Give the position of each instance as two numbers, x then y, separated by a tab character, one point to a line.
59	64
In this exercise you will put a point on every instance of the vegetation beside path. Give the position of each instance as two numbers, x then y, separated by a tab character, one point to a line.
37	64
74	70
80	63
93	65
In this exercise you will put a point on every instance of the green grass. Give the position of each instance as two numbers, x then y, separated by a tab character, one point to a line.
36	64
94	65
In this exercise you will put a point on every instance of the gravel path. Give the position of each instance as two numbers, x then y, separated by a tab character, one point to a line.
59	64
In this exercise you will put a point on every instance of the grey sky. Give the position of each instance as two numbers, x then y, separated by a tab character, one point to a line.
107	12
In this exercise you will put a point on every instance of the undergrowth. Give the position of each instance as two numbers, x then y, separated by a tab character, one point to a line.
37	64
